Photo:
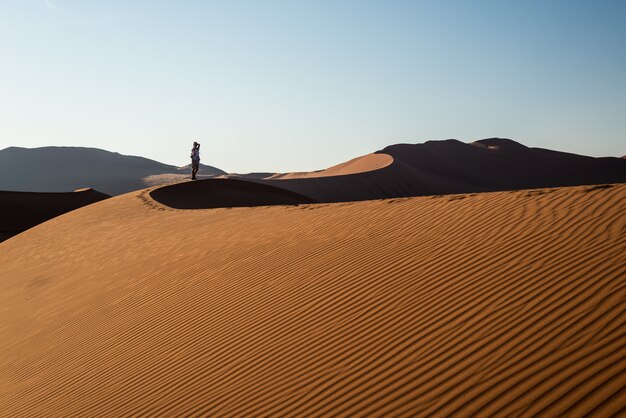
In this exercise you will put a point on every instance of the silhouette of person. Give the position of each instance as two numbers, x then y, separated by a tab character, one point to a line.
195	160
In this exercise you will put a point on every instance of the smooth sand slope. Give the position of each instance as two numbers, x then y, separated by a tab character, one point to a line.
22	210
495	304
369	162
450	166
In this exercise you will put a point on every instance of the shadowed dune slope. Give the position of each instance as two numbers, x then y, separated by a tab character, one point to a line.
215	193
495	304
503	164
451	166
22	210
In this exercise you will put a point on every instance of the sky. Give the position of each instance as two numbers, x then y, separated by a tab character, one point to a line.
302	85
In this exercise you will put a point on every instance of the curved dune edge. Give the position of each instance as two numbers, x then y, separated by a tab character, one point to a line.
446	167
220	193
496	304
452	167
363	164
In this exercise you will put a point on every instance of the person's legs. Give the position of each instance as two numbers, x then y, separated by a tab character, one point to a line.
194	169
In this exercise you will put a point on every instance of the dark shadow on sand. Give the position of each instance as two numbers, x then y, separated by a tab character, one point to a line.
433	168
20	211
220	193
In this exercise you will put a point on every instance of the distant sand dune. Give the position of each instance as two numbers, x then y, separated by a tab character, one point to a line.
357	165
450	166
494	304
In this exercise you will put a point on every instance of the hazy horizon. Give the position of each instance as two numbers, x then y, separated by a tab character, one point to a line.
241	172
284	86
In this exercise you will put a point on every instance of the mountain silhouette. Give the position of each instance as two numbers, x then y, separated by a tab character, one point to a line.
65	169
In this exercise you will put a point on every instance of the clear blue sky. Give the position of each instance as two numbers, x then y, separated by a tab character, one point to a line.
295	85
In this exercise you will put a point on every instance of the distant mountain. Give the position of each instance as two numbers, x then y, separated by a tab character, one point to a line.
64	169
451	166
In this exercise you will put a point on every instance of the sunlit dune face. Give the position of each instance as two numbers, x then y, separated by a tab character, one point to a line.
464	305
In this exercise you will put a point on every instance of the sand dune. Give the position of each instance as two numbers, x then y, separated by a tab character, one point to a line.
22	210
450	166
369	162
402	170
494	304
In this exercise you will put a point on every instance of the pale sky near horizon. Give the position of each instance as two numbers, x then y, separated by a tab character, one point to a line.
303	85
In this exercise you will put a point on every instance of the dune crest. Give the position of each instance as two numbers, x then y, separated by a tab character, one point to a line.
369	162
495	304
451	166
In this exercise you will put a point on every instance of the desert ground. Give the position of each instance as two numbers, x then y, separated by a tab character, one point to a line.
507	303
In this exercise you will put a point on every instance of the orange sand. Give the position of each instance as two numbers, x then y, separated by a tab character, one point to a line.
363	164
503	304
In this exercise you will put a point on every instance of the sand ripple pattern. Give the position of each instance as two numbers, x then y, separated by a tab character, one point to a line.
496	304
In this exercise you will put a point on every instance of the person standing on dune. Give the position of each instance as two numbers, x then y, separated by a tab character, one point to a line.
195	160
